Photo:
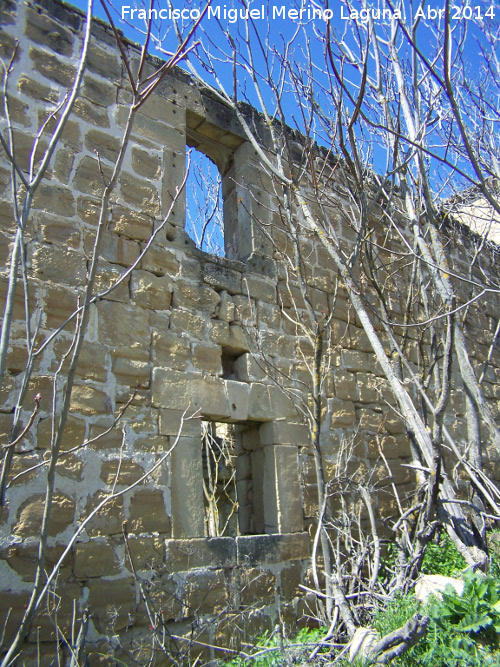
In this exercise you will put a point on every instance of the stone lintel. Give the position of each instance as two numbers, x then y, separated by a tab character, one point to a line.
256	549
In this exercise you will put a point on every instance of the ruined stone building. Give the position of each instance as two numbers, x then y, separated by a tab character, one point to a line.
225	522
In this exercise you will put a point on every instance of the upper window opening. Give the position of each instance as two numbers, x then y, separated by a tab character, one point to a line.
204	205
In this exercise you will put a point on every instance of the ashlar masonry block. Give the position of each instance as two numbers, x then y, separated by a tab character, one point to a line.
186	490
281	490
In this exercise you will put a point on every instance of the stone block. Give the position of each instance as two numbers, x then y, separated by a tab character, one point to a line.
150	291
146	552
113	604
182	321
259	549
98	92
55	199
51	67
282	403
109	520
354	361
92	363
29	515
160	261
89	401
290	580
140	194
22	558
207	358
259	407
281	490
61	265
177	391
104	143
341	413
284	433
238	397
206	592
102	437
222	278
187	554
345	386
370	420
157	107
100	61
230	336
69	465
170	350
131	366
227	309
88	176
188	518
63	164
170	423
200	298
249	368
59	231
146	164
132	224
122	325
121	472
60	303
147	512
258	585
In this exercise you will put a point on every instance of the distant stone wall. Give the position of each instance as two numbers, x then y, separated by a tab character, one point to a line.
181	330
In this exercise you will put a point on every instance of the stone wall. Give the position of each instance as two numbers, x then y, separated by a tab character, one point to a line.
182	331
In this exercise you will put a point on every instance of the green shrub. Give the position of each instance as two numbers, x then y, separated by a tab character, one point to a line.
297	649
464	630
443	558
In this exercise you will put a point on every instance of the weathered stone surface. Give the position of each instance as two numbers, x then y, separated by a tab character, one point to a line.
230	336
177	391
255	549
186	492
150	291
146	552
187	554
23	558
147	512
222	278
259	288
207	358
113	602
52	67
29	516
122	473
145	164
131	366
206	591
89	401
248	368
284	433
132	224
121	324
170	424
64	265
238	397
70	465
141	195
257	585
259	408
200	298
160	261
109	519
94	559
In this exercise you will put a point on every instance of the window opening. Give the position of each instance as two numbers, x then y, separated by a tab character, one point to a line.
204	205
219	478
